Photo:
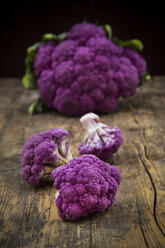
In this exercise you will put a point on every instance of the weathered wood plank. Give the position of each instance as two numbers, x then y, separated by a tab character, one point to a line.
28	216
10	92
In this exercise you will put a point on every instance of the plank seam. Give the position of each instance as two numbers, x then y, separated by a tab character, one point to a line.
147	171
155	194
141	228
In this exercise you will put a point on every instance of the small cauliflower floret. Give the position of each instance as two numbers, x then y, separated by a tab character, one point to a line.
99	139
43	152
90	187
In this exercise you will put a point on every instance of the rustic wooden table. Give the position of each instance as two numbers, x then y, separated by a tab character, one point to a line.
28	216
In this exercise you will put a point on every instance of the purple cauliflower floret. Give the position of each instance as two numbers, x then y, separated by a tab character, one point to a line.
85	185
99	139
81	33
136	60
43	57
42	152
86	71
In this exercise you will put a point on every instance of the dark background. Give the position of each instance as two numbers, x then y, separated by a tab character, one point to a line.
24	23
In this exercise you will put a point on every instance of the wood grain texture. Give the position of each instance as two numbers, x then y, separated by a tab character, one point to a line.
28	216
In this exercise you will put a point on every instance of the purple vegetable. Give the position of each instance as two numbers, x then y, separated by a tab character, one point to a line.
99	139
84	71
85	185
42	152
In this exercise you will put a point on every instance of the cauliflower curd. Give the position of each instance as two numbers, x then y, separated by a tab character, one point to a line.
85	185
84	71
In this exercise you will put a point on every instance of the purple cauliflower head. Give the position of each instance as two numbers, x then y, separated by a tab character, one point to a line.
100	139
85	185
86	71
42	152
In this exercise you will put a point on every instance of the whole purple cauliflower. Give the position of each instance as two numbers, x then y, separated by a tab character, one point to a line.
42	152
85	185
84	71
99	139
